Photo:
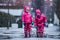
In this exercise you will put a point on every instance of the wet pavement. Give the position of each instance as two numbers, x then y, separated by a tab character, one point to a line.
50	33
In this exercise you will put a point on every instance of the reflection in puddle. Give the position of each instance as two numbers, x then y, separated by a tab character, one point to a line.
22	36
54	36
5	37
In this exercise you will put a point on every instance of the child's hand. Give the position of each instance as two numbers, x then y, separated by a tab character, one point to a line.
35	26
22	22
46	24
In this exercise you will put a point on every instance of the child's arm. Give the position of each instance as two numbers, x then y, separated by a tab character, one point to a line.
23	19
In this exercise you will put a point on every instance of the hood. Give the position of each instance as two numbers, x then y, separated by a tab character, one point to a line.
38	11
25	8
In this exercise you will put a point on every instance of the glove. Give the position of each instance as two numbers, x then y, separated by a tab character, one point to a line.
35	26
32	23
46	24
22	23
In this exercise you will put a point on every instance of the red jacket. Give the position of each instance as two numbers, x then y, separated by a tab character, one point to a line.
26	17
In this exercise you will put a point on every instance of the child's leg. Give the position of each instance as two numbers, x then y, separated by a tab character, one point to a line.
41	30
41	34
26	34
25	30
37	32
29	29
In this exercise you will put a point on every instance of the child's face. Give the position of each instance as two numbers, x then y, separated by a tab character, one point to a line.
38	14
27	10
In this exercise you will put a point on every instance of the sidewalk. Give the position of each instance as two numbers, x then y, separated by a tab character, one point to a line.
14	34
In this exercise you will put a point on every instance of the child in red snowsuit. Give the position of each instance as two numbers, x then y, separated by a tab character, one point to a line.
27	19
39	23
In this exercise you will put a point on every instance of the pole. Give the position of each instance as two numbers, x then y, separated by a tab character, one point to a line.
8	14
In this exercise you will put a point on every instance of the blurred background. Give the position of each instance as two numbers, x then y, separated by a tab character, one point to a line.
11	10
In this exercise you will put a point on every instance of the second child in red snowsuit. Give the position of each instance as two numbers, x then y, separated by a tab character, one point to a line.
27	19
39	23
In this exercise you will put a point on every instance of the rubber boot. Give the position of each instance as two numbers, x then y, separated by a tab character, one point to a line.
29	35
41	34
25	35
37	34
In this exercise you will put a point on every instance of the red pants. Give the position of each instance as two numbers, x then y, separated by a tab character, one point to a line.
27	28
40	30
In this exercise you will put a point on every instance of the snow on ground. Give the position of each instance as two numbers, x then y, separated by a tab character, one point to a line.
31	39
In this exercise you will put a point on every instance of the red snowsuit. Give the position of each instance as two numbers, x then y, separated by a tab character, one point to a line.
27	19
39	21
